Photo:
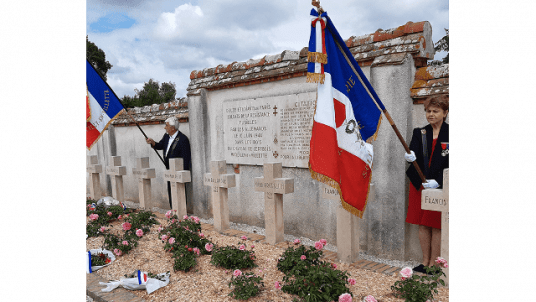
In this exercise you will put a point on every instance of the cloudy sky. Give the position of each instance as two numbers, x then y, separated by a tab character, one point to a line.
166	40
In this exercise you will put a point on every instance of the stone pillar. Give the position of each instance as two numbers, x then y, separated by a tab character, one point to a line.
274	187
386	216
178	177
438	200
144	174
94	170
220	182
116	172
200	148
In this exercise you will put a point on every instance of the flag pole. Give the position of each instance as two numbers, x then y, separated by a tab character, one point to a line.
385	112
125	109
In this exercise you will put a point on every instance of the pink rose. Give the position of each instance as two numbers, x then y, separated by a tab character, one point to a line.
242	247
297	241
102	229
118	252
334	265
139	232
406	272
185	217
201	235
319	245
244	238
346	297
196	219
252	246
237	273
94	217
119	217
370	298
442	262
125	242
303	257
109	214
126	226
324	241
197	251
208	247
168	214
352	281
165	237
160	228
171	240
277	285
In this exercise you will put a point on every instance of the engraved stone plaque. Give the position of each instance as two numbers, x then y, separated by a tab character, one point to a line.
268	129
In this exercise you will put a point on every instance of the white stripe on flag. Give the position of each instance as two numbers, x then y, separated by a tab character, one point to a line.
325	112
318	45
99	118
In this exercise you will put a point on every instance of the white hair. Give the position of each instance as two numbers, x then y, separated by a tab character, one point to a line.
173	121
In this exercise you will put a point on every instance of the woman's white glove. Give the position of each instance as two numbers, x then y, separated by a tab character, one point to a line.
410	157
430	184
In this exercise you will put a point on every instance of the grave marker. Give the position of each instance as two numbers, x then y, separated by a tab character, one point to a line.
348	226
144	174
178	177
116	171
438	200
220	182
93	168
273	187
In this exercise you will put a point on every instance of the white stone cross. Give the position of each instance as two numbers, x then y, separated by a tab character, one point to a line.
273	187
348	226
144	174
220	183
116	171
438	200
178	177
93	168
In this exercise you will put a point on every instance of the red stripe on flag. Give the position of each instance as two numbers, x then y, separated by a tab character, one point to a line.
340	112
92	134
355	179
323	148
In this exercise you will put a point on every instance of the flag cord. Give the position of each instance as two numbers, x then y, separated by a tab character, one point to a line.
129	114
387	115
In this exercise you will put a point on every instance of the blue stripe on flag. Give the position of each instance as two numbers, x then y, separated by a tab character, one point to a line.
344	79
102	92
89	255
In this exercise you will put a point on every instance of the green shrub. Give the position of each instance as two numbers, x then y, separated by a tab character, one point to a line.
245	286
231	257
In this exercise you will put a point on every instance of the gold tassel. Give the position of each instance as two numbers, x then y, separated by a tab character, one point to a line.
315	78
332	183
317	57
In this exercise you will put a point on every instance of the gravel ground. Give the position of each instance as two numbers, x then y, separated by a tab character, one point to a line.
305	241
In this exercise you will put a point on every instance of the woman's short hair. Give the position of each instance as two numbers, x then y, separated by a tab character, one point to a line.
441	101
173	121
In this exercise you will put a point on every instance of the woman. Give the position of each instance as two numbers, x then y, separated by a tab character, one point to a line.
429	147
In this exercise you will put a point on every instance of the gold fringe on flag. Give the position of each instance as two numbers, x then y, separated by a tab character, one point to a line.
315	78
332	183
317	57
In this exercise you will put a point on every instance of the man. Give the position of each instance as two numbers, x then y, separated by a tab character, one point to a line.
174	145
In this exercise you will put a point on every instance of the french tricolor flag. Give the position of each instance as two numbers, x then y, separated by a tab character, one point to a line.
347	116
102	106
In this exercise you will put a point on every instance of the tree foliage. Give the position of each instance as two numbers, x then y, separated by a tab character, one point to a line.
97	58
442	45
151	93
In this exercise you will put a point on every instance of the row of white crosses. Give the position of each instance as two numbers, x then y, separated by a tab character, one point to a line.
273	186
176	175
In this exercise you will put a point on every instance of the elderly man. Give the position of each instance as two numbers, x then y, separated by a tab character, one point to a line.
174	145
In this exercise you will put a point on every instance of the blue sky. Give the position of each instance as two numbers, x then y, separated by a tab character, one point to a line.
166	40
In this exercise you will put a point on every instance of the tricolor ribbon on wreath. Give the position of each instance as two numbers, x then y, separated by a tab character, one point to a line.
347	116
140	282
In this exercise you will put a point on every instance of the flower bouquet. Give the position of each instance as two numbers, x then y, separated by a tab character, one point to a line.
97	259
139	280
